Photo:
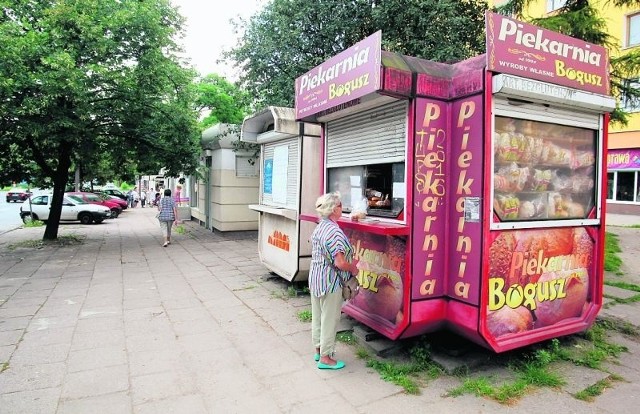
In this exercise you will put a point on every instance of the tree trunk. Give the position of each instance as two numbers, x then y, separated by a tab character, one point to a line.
59	185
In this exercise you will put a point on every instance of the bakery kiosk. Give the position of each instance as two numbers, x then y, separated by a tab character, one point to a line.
482	181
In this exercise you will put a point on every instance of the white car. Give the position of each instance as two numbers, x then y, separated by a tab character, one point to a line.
72	210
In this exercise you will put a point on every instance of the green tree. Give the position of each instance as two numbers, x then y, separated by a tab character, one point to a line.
80	77
582	19
287	38
220	101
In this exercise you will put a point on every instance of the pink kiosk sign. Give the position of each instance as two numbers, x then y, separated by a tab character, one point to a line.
349	75
525	50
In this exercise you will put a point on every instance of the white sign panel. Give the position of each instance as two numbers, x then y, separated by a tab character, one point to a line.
280	167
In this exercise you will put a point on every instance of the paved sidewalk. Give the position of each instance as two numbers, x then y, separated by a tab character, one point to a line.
118	324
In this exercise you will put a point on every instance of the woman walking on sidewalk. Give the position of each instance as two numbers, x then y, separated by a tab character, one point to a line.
167	216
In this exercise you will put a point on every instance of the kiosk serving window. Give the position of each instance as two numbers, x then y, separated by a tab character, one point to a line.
366	159
543	171
380	186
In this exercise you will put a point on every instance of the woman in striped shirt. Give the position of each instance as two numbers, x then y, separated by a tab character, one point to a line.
331	260
167	216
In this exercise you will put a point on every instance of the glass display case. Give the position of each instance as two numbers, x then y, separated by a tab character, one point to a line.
542	171
381	187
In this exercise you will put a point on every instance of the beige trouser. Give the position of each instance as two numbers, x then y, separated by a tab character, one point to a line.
166	229
325	314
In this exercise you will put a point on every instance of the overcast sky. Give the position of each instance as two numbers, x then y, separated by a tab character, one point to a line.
208	30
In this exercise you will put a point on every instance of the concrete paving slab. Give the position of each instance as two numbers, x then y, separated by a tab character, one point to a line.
620	398
10	324
210	341
548	400
260	401
161	385
625	312
292	390
18	378
577	378
96	358
619	293
92	340
44	401
10	337
27	354
6	312
52	322
150	342
118	402
5	353
94	382
192	404
45	337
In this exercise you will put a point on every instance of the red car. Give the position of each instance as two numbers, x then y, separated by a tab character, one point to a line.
114	199
94	199
17	194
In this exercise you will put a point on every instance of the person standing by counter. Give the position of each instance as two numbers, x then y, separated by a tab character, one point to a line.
331	261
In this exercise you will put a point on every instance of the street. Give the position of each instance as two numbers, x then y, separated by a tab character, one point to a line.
9	214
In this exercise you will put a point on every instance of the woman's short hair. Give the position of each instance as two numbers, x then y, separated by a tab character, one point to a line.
167	192
326	203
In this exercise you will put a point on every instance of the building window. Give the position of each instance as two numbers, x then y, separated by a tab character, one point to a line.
553	5
624	189
633	30
623	186
244	168
631	104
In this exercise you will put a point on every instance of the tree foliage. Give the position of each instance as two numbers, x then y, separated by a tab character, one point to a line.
88	82
287	38
582	19
220	101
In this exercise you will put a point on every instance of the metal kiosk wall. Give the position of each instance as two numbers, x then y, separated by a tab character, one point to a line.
288	156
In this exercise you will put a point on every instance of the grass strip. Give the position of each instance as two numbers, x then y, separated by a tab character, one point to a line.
612	262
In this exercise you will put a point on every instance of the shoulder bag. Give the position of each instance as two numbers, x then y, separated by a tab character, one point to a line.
350	288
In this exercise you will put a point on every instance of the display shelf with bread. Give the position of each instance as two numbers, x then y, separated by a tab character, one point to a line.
542	171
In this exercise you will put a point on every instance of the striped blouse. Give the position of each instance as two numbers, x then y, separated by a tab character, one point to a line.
326	241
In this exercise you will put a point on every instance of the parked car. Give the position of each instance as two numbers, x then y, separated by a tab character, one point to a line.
17	194
72	210
122	203
115	192
94	199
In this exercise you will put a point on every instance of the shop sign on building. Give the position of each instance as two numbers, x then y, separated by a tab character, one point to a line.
349	75
623	159
532	52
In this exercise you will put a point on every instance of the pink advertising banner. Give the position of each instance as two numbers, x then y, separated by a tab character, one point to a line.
349	75
623	159
429	196
532	52
539	278
465	189
381	264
